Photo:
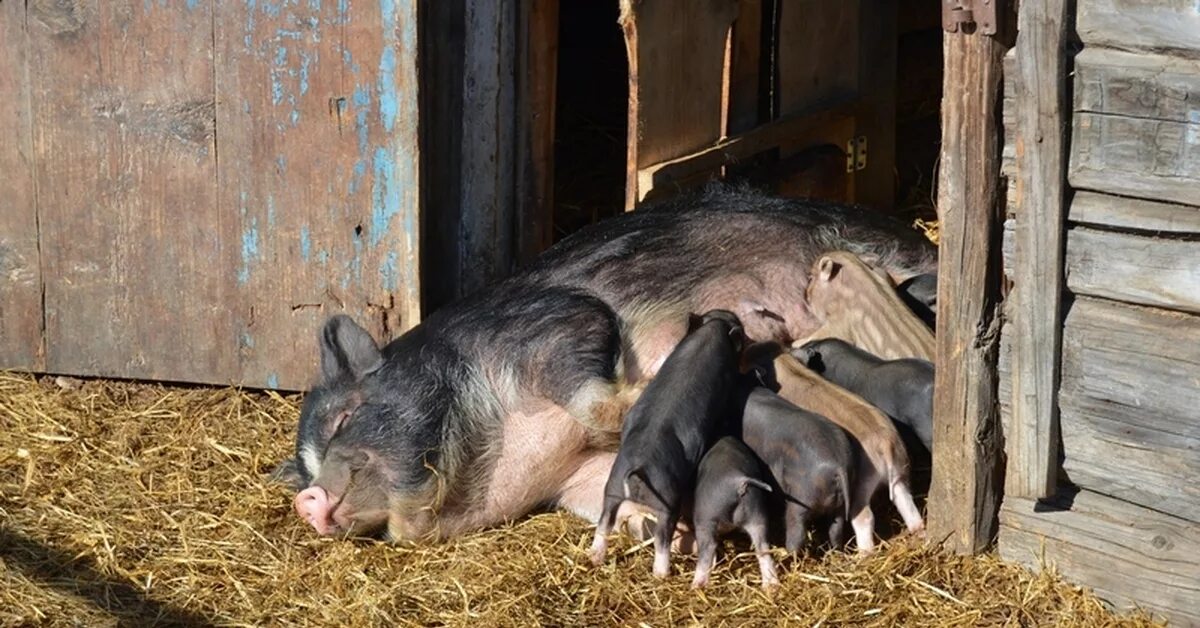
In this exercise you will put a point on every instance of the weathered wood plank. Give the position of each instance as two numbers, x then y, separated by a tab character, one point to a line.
965	490
1128	554
676	54
1131	213
317	176
818	58
1130	390
1137	84
876	89
746	94
1144	158
1008	165
1162	25
1162	272
811	127
537	80
485	235
1041	100
20	264
133	246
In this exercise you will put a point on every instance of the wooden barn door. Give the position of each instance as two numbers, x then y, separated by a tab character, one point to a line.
192	186
801	90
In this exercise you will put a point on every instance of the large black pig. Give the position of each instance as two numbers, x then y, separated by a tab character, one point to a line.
512	399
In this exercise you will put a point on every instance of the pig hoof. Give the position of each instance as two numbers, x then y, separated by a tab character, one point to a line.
700	582
661	574
597	557
770	586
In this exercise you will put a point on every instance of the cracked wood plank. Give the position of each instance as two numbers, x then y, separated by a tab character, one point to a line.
317	176
20	266
126	163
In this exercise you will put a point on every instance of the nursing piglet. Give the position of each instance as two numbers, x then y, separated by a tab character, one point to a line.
669	428
732	492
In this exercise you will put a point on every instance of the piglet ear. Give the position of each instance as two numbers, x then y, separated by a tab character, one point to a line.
694	322
347	350
828	269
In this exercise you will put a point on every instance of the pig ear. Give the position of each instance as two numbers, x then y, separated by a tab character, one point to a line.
828	269
694	322
347	350
288	474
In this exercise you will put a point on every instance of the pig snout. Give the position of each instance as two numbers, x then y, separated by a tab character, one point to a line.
314	505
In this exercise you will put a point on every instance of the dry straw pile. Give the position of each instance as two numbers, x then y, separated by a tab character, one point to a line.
130	504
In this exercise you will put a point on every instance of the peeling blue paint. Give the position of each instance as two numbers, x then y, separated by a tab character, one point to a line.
249	250
295	117
362	101
246	340
315	5
343	12
305	244
272	9
323	256
387	271
304	62
387	66
360	170
271	210
281	162
273	380
385	194
192	4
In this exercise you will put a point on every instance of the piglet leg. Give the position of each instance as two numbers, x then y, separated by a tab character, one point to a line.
762	551
706	538
663	533
864	530
607	517
902	497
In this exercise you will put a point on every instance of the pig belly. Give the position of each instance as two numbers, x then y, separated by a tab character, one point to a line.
538	450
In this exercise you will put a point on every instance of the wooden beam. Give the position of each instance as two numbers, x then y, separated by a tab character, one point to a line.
964	494
1038	268
731	150
537	81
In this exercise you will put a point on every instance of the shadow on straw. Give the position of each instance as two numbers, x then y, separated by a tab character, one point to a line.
57	569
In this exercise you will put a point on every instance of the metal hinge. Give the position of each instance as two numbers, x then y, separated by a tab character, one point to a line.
856	153
962	14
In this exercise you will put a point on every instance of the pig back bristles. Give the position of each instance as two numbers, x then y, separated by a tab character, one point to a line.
132	504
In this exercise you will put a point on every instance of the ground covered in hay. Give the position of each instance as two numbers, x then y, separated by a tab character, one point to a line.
130	504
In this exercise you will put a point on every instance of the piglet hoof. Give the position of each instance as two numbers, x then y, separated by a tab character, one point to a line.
662	567
597	552
919	532
770	586
700	581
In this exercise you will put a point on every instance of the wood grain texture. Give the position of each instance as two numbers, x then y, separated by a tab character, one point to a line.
487	207
746	81
1041	103
133	246
1130	389
818	53
1163	272
21	341
1128	554
823	126
1134	214
537	80
317	176
676	54
876	89
1138	157
965	490
1141	85
1161	25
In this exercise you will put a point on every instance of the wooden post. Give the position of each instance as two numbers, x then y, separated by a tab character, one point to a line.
1038	268
537	80
964	496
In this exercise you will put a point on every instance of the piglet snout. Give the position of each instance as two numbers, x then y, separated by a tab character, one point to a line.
314	506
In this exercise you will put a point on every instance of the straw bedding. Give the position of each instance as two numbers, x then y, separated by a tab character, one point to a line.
136	504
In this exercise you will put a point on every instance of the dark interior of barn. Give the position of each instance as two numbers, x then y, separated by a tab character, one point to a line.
591	121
